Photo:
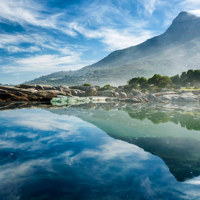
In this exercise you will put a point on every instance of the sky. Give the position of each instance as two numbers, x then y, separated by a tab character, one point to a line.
39	37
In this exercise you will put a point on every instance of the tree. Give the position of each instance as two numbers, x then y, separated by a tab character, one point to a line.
175	79
133	81
160	81
155	79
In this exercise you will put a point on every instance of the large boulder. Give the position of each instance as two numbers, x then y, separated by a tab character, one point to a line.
8	88
39	87
136	92
6	96
106	93
76	92
81	87
49	93
44	87
165	90
26	86
64	88
91	92
152	97
122	95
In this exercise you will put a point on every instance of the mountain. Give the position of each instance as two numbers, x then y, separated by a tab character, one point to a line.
174	51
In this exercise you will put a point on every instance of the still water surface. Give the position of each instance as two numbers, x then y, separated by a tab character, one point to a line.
75	153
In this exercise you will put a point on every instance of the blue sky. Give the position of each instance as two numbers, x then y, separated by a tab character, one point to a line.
38	37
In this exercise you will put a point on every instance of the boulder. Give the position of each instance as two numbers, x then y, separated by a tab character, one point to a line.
129	100
177	87
49	93
76	92
65	88
152	97
46	87
107	93
81	87
165	90
135	92
8	88
6	96
26	86
39	87
91	92
122	95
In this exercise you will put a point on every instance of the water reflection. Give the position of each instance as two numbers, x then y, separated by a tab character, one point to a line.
49	156
172	135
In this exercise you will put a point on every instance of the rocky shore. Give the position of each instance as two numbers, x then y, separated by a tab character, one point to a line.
45	93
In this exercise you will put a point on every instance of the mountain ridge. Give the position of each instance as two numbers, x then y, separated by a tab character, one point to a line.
170	53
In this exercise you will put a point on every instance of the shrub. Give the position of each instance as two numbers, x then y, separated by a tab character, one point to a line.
86	84
106	86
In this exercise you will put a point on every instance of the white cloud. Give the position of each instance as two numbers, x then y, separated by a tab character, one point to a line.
115	38
28	12
149	5
46	63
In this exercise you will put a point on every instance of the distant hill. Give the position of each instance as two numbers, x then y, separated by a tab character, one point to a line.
176	50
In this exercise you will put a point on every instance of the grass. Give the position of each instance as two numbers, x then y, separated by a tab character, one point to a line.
189	89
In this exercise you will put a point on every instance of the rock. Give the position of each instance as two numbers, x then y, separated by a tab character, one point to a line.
76	92
122	95
135	92
177	87
9	97
8	88
166	98
187	98
136	100
49	93
145	99
26	86
129	100
107	93
47	87
115	94
58	88
65	88
152	97
91	92
39	87
165	90
28	91
83	88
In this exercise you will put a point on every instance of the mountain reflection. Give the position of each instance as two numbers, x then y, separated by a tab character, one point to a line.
57	154
178	145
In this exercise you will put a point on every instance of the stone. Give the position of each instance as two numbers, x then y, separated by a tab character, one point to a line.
129	100
48	87
135	92
64	88
165	90
122	95
26	86
39	87
107	93
91	92
152	97
76	92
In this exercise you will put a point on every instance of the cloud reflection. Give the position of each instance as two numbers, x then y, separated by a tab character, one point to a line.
41	152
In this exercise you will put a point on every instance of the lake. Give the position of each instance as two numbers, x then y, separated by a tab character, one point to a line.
99	152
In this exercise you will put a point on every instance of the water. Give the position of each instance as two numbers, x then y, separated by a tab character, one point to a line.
99	153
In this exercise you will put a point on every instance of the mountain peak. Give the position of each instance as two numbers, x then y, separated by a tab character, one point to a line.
184	17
